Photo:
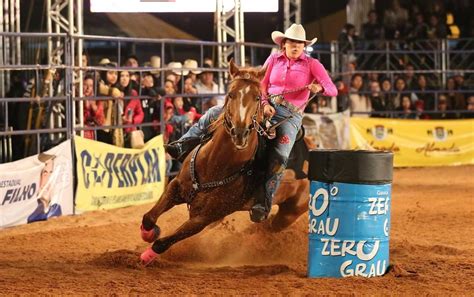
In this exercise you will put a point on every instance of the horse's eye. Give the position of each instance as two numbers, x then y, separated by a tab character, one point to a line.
231	95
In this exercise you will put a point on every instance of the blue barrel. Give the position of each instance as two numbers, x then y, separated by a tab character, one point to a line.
349	213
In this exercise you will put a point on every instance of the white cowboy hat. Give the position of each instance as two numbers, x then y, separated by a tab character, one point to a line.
177	68
295	32
191	64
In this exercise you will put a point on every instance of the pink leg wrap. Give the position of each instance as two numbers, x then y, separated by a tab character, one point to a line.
148	256
149	236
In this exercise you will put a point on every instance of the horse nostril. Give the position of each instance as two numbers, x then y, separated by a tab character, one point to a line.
232	131
246	132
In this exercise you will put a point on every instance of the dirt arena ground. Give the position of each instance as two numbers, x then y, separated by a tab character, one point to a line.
432	250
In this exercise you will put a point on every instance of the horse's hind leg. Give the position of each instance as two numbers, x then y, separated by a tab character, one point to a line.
149	230
189	228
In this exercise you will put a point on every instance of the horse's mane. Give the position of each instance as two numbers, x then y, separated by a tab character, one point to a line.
252	79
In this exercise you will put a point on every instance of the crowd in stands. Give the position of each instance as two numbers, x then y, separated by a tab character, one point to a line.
410	92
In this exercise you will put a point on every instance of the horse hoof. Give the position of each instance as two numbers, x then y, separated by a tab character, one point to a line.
148	256
150	235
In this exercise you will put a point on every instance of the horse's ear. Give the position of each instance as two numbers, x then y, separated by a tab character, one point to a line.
261	72
233	69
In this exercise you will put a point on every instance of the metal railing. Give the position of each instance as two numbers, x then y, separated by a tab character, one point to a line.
441	59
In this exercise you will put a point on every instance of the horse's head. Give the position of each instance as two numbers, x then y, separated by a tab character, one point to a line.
242	105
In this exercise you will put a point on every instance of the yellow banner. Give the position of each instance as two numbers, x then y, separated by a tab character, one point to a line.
417	142
112	177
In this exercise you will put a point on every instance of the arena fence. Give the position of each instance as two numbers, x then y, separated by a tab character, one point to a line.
46	111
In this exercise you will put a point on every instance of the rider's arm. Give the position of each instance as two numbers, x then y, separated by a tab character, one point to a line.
322	78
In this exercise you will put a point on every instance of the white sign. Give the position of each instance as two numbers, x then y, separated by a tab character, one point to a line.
37	188
179	5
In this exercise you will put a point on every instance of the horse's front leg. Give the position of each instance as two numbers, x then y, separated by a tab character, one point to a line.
189	228
171	197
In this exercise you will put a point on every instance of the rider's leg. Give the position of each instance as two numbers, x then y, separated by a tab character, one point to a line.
279	152
181	148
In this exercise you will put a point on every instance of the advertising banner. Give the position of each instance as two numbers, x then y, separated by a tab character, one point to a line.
111	177
37	188
328	131
417	142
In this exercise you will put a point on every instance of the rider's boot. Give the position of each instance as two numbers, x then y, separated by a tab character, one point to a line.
181	148
263	203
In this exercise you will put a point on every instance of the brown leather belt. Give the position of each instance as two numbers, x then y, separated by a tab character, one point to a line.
280	100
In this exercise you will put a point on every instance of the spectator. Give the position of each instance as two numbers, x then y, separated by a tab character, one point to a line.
419	29
359	103
151	112
312	107
377	100
406	109
190	89
132	107
437	29
170	88
400	89
177	70
372	30
456	100
108	87
459	79
409	77
93	109
395	20
347	39
342	98
206	85
470	107
192	67
131	61
387	94
419	106
443	113
324	106
424	94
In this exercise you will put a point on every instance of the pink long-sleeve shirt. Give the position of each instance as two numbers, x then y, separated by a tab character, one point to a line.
285	74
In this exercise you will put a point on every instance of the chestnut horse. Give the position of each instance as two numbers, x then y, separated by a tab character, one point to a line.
223	172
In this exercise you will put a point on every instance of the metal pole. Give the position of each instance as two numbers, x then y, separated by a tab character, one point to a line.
68	78
162	103
2	61
220	35
333	57
18	30
80	31
239	32
7	58
443	60
11	12
49	27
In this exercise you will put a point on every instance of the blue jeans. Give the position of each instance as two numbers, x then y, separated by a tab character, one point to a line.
281	148
279	151
200	128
